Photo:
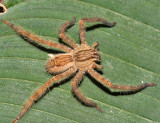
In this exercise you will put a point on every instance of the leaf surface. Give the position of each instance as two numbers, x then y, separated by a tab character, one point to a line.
130	56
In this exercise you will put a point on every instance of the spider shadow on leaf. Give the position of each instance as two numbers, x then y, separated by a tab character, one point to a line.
96	26
61	41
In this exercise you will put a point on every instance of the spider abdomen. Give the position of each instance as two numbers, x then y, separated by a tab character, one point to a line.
59	63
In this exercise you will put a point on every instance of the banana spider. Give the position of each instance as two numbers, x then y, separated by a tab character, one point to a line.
77	59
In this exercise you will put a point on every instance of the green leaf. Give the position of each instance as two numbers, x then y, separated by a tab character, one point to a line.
130	56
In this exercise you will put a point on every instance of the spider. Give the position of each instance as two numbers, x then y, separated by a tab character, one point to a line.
77	60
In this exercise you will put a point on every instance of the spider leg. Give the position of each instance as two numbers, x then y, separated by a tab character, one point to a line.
99	67
64	36
75	82
82	29
104	81
39	93
33	38
95	45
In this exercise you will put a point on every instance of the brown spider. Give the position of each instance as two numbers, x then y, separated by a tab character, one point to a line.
82	58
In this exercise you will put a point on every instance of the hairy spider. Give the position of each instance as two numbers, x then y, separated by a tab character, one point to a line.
78	59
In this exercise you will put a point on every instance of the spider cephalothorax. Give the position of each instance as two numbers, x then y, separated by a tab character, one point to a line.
85	56
77	59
